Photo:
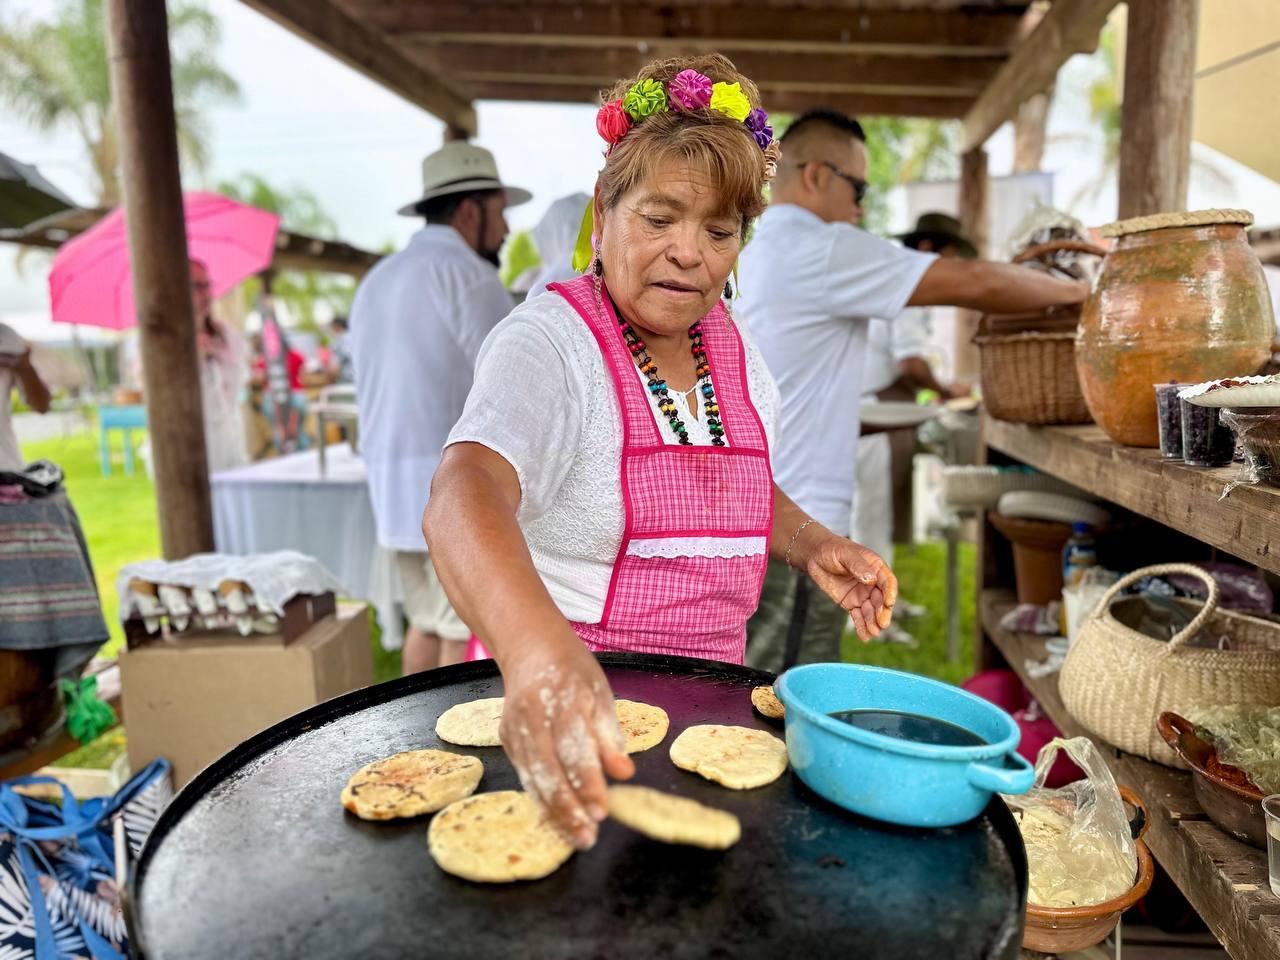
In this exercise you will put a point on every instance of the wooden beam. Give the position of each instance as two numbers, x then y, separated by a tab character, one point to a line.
1070	27
1155	119
294	251
700	28
775	100
142	92
974	218
959	77
322	24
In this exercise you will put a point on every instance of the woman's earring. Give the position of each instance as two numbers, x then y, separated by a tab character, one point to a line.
596	266
728	290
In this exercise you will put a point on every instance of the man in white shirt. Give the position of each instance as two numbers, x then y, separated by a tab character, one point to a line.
896	370
809	282
417	324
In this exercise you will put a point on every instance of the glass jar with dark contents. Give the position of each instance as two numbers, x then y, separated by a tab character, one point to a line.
1206	440
1169	419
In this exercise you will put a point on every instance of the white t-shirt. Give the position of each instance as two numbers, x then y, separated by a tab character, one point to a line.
544	401
888	344
807	290
10	345
417	324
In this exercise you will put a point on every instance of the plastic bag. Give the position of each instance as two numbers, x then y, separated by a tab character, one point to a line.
1080	850
1257	433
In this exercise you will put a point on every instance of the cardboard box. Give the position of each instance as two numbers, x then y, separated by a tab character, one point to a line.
193	697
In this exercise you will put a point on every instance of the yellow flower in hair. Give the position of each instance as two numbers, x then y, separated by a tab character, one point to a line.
728	98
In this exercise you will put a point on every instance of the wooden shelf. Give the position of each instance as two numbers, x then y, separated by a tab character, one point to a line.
1225	880
1245	524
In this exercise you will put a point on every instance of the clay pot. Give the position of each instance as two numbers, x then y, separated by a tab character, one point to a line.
1184	303
1068	929
1037	556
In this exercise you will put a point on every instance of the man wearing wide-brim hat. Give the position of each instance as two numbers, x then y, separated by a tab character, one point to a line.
417	324
939	233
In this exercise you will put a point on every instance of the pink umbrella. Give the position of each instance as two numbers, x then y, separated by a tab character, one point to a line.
90	282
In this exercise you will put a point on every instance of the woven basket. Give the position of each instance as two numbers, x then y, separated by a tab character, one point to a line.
1117	681
1030	377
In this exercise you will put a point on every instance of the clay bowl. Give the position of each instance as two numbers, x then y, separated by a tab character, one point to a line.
1237	810
1037	555
1065	929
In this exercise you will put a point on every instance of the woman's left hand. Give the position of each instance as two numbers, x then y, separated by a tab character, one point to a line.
857	579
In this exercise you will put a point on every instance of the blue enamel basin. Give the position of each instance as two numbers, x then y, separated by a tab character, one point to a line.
887	778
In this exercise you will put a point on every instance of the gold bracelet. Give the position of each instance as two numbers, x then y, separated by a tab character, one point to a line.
794	537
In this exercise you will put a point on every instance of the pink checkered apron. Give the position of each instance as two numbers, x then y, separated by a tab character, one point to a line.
679	498
670	591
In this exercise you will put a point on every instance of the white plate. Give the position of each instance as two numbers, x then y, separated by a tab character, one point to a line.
898	414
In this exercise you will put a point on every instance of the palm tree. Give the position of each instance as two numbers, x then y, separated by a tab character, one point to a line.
1105	105
300	212
54	73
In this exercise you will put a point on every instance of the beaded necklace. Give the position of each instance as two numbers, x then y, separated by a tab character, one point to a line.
658	386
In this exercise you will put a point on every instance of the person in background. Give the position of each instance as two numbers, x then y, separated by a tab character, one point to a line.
340	350
16	371
417	324
897	370
555	236
224	374
810	280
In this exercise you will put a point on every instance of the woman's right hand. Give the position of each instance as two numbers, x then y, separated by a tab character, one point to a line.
560	729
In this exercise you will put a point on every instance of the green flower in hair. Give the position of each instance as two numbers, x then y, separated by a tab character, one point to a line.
645	99
728	98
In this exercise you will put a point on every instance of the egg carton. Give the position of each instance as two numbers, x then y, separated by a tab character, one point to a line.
165	609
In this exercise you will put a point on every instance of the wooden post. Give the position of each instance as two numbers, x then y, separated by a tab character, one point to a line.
973	219
1159	81
1030	128
142	96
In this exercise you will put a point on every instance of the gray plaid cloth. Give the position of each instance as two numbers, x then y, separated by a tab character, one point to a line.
48	597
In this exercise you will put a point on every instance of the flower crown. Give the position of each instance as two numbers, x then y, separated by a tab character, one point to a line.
687	91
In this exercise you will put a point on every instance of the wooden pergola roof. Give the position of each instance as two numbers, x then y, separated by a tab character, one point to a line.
976	60
294	251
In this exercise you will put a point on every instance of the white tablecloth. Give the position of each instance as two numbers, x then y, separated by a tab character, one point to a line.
286	504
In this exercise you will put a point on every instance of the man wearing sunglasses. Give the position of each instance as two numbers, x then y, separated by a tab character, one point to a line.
810	280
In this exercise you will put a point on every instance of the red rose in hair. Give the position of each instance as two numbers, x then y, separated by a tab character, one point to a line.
612	122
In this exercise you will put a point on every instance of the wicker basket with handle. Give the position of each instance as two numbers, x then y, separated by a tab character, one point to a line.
1117	681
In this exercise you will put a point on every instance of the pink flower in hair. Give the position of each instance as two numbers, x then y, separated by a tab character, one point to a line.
689	90
612	122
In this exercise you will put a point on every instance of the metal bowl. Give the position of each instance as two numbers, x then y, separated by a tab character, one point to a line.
886	778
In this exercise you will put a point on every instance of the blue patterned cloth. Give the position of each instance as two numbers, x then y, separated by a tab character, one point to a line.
58	895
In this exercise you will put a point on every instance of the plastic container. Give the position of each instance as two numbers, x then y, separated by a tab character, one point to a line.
1080	553
1206	440
1169	419
886	778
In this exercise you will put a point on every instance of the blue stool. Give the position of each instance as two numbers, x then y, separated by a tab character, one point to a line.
128	419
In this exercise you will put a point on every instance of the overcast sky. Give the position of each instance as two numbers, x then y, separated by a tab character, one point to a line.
307	119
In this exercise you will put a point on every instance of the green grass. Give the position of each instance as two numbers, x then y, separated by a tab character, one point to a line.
921	573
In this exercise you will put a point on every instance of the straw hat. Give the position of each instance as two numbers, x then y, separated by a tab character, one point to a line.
461	167
942	230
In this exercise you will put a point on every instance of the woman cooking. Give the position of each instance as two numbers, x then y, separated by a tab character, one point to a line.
608	487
